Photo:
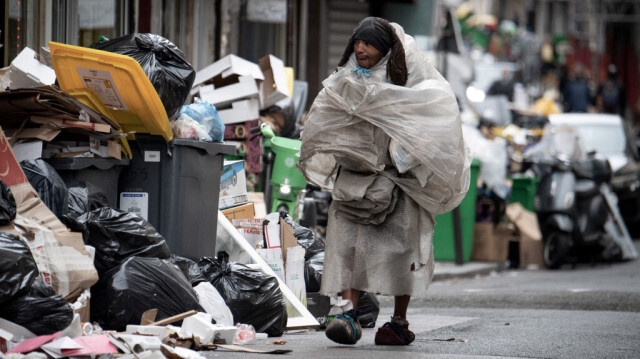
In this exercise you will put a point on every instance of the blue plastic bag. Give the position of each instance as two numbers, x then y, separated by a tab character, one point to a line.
207	115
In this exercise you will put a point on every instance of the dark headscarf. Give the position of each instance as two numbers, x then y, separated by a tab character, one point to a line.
375	33
380	34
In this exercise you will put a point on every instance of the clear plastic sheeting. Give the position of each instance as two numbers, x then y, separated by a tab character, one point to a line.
421	118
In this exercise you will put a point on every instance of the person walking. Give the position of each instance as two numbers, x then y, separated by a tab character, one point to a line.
611	93
384	137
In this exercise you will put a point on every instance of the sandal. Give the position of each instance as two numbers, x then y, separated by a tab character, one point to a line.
344	328
395	332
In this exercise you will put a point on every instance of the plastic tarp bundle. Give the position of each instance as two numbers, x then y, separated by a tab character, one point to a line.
164	63
252	296
18	268
47	182
118	235
139	284
40	310
421	118
7	205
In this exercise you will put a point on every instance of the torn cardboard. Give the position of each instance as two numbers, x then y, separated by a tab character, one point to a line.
274	87
227	70
531	246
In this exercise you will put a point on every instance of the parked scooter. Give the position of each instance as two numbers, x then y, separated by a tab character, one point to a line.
571	208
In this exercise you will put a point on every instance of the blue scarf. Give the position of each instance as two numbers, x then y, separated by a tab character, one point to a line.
361	71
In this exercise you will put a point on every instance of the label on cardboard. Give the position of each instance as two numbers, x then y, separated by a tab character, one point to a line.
152	156
102	84
135	202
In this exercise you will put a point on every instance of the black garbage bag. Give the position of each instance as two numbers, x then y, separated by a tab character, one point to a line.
252	296
84	197
307	238
7	205
118	235
48	184
18	269
189	268
368	309
164	63
41	310
313	268
125	292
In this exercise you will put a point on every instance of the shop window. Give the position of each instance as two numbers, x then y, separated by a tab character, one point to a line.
22	18
83	22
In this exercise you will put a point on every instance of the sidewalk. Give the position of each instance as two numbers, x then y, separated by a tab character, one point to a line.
450	270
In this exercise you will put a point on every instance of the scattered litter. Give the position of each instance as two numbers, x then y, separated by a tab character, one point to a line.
459	340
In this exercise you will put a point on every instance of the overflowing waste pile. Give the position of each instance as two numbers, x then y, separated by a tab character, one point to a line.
83	276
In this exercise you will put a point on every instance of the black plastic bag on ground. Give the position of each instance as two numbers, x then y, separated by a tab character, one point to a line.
18	269
137	285
313	268
118	235
189	268
307	238
368	309
252	296
40	310
84	197
48	184
7	205
164	63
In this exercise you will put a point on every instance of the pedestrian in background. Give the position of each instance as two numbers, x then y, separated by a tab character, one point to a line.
610	93
384	137
576	93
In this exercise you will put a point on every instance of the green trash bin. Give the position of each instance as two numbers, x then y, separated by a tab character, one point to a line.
523	191
444	235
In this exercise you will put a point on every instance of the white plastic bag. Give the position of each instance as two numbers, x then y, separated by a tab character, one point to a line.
211	301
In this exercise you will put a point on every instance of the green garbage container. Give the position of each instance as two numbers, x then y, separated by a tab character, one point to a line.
523	191
444	235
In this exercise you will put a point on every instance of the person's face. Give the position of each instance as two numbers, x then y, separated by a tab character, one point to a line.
366	54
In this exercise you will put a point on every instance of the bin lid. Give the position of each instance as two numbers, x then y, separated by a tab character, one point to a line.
118	81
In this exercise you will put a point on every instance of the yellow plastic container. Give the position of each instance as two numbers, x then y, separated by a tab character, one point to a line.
117	82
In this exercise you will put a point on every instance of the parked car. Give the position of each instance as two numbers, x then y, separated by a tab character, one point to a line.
609	137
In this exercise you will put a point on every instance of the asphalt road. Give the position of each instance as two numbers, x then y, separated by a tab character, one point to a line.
585	312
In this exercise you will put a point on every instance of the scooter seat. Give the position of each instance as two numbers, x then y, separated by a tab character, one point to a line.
586	188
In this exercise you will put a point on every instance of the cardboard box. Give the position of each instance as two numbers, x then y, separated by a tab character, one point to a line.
279	235
491	243
233	185
274	87
531	252
530	246
243	211
28	72
227	70
241	111
223	97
